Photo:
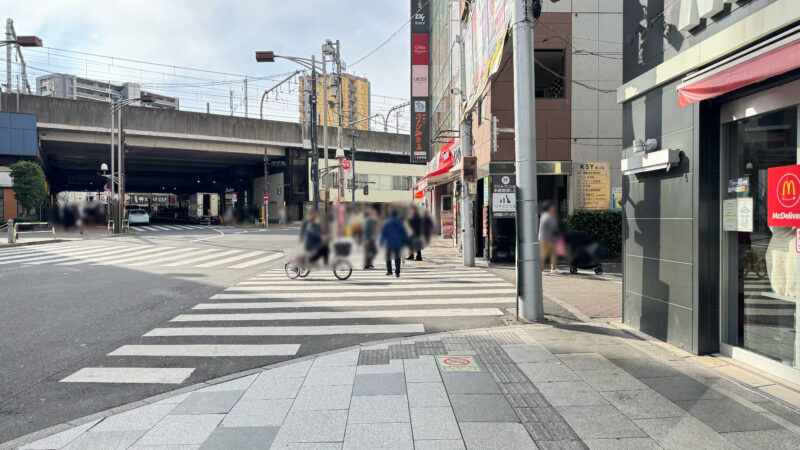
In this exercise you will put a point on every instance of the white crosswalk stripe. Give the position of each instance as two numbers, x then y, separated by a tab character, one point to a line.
287	314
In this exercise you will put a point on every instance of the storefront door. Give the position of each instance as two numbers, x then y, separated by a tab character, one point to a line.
760	260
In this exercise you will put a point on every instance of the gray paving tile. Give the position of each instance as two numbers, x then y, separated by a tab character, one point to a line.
586	361
373	436
208	403
338	359
644	443
239	384
610	380
378	409
294	370
323	397
681	388
548	371
643	404
781	411
240	438
470	383
330	376
422	370
313	426
394	366
142	418
646	368
570	393
258	413
440	445
508	436
482	408
306	446
434	423
725	415
771	439
271	387
164	447
528	353
682	433
427	394
182	430
107	440
596	422
61	439
380	384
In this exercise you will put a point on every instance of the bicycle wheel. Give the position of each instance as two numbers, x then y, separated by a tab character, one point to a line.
304	272
342	269
292	269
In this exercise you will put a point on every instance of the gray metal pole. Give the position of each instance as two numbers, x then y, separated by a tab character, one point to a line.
353	166
9	37
325	131
313	134
467	198
113	166
121	186
245	98
529	266
339	135
266	191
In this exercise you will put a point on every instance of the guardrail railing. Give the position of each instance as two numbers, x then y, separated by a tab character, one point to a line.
16	230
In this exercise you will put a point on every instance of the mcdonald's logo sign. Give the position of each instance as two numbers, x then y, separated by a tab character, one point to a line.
783	201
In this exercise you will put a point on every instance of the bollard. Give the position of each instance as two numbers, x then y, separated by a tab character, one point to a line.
10	231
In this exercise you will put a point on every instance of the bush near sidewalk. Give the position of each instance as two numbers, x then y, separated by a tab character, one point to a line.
605	226
28	182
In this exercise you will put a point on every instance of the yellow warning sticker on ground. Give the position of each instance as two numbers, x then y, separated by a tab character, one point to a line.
453	363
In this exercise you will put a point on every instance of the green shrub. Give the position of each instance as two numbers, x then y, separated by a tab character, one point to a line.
605	226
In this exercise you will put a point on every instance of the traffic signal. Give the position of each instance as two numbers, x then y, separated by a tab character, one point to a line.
366	189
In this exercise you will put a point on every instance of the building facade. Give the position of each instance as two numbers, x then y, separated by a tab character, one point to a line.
63	85
710	245
355	101
578	56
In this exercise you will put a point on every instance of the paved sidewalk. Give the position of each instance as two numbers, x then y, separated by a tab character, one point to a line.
565	386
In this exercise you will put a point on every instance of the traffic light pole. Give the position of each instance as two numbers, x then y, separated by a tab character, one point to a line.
467	197
353	165
314	148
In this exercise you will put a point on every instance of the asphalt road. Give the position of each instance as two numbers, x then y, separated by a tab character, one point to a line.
60	316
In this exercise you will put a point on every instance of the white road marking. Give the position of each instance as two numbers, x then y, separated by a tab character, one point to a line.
268	258
230	260
201	258
95	259
357	276
351	303
306	287
159	228
135	256
319	315
60	258
144	228
323	330
207	350
61	254
178	254
171	227
129	375
377	293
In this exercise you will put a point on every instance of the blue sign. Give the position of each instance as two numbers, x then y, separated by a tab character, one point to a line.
18	135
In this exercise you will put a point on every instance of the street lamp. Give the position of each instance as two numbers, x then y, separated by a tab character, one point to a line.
312	65
17	41
116	110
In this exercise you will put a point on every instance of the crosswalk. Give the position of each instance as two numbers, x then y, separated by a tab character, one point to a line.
133	253
270	318
151	228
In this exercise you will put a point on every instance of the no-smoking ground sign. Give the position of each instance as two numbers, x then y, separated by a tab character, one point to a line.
453	363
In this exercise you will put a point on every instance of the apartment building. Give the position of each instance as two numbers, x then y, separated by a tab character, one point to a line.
63	85
355	100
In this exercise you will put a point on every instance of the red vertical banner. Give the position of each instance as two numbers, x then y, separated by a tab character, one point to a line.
783	196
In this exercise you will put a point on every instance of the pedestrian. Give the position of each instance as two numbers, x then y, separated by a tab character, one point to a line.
394	238
548	236
417	225
315	242
369	231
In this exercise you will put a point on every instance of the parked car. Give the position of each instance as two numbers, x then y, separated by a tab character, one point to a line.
138	217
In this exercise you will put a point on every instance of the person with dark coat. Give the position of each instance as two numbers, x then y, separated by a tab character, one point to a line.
394	238
369	231
421	226
314	240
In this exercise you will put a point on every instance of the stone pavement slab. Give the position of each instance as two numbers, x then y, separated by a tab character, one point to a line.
607	392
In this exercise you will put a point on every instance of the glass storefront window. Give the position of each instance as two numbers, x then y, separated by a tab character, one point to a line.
761	307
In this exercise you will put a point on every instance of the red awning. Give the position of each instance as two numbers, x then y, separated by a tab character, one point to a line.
770	64
445	164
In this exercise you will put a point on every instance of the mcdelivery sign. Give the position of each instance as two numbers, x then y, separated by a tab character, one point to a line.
783	201
420	44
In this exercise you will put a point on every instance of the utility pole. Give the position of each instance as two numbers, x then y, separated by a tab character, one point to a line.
121	185
266	191
313	134
231	102
9	38
529	265
467	197
339	135
353	164
245	98
325	132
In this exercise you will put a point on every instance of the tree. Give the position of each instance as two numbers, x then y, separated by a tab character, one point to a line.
28	183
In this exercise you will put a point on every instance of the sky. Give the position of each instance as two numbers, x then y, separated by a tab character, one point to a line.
215	35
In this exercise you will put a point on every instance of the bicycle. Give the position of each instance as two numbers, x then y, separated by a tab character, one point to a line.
299	267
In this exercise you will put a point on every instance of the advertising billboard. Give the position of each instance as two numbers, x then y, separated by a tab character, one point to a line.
420	100
783	196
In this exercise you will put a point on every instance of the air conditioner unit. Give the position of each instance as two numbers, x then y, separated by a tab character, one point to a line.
652	161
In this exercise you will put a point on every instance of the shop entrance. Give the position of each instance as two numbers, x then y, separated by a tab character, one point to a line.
760	262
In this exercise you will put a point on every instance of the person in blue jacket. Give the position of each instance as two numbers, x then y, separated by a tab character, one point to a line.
394	237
